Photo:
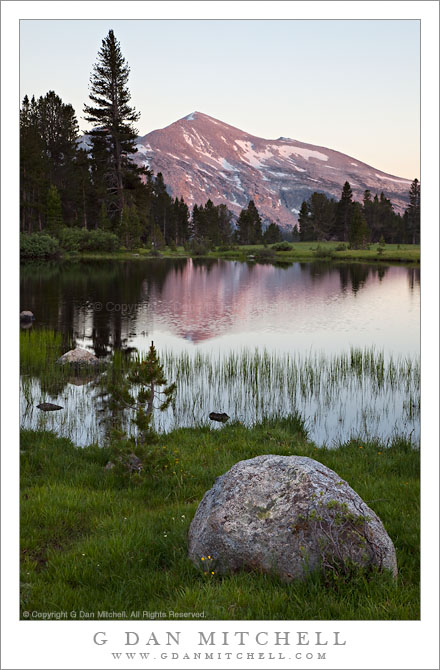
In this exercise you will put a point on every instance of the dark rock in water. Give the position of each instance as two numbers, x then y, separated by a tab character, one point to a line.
215	416
49	407
26	316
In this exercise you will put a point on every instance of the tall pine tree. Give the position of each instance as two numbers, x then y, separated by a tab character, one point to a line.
58	127
322	216
181	216
344	213
113	135
306	232
358	232
272	234
54	216
130	229
162	207
413	212
34	168
257	226
249	226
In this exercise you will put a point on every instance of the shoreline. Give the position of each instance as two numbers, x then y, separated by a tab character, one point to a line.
300	252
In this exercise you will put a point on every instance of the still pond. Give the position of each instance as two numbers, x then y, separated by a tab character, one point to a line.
339	343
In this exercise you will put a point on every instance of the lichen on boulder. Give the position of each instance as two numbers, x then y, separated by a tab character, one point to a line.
287	515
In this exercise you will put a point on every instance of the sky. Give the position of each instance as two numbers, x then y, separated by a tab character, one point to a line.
352	86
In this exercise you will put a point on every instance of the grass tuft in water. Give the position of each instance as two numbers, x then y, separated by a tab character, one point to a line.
358	392
38	348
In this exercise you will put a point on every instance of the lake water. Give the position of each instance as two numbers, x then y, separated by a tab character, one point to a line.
214	309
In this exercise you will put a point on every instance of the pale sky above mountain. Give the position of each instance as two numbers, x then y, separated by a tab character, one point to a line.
352	86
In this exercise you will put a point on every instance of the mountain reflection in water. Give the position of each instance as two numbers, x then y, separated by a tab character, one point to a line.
219	304
215	309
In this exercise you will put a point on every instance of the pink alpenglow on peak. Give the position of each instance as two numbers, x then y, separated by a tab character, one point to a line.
201	157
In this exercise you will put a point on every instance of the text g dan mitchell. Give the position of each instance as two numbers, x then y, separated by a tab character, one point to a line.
262	638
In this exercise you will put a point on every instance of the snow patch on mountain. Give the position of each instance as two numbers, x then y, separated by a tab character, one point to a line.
227	166
253	157
279	174
143	149
205	171
288	151
201	141
235	179
398	181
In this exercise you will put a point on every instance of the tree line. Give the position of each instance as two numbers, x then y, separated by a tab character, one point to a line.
373	220
96	195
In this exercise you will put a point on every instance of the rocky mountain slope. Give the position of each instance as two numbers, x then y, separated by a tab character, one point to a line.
201	157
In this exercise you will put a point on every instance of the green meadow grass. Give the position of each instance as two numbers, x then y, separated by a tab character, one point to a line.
94	539
400	253
300	251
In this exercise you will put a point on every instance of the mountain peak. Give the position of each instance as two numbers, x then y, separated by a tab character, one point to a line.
190	117
199	116
202	157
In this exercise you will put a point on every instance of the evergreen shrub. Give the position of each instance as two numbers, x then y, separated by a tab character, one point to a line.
38	246
80	239
282	246
199	248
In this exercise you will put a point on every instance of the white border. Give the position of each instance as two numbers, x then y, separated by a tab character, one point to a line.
389	645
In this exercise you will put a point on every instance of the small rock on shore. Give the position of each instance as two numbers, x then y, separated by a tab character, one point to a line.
26	316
